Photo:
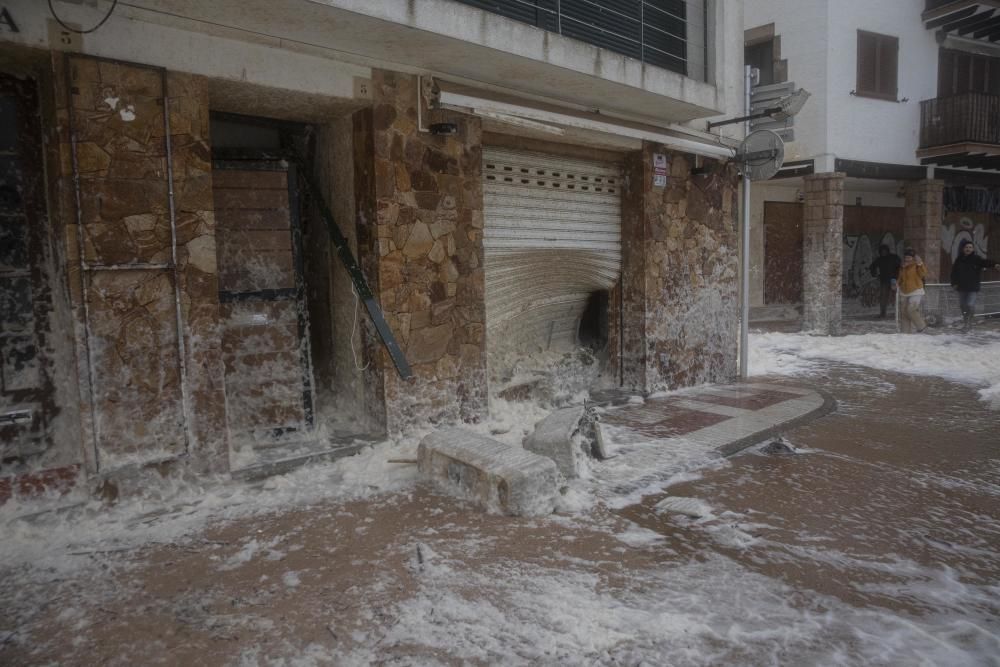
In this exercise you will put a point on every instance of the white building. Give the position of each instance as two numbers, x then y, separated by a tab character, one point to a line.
904	94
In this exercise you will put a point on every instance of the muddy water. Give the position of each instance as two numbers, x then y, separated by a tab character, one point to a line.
892	504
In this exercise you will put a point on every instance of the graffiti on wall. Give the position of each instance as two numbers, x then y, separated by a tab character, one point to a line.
860	250
965	229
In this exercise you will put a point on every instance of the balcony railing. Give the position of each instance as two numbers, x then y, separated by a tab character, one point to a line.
665	33
968	118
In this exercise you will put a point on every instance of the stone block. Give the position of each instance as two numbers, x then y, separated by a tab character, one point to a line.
495	476
556	437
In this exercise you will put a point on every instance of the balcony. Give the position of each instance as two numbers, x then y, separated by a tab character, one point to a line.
961	131
970	19
668	33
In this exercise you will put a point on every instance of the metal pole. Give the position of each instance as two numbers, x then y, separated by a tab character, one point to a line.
745	245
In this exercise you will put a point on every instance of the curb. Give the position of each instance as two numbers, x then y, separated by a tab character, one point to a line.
829	405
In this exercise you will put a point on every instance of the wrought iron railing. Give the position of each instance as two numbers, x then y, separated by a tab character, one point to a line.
967	118
656	32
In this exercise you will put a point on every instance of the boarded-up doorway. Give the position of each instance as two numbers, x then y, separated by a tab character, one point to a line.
782	253
265	343
26	389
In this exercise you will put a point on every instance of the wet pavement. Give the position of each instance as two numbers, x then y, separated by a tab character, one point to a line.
877	543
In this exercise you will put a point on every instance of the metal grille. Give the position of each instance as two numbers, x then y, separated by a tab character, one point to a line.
552	237
941	301
665	33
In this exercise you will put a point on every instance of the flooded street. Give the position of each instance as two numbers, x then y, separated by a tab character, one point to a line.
878	543
892	503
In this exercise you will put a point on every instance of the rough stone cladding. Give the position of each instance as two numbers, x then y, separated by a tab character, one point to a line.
680	280
823	249
429	235
124	210
922	223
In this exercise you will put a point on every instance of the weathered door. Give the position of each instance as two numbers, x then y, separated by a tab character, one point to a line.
26	388
265	344
782	253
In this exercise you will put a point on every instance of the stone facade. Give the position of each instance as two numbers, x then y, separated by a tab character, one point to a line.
149	402
822	247
147	332
680	274
922	224
429	235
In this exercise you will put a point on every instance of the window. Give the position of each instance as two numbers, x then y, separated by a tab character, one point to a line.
878	60
761	56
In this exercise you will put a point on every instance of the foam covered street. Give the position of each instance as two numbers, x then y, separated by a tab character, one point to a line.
876	542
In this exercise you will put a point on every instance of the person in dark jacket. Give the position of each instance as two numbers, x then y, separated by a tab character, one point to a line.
886	269
966	277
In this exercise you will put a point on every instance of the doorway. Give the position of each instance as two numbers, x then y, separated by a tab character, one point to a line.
27	392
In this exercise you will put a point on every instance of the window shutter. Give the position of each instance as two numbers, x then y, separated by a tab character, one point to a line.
878	65
867	59
888	66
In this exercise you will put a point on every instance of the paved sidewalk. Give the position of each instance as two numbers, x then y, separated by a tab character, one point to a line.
665	435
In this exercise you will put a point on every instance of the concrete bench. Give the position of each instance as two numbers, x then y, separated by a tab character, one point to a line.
497	477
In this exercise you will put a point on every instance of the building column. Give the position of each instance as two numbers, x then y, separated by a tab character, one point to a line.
822	252
922	223
428	231
680	275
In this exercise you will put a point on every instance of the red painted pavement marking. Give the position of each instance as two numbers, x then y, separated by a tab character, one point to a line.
36	483
753	400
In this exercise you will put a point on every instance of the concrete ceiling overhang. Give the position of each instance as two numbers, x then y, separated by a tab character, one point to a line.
967	19
448	38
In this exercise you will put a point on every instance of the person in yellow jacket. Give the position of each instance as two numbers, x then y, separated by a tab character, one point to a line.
911	292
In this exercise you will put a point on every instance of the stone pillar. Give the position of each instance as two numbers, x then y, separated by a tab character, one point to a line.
150	404
822	252
429	232
922	224
680	273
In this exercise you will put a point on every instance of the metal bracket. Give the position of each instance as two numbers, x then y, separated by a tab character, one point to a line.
16	417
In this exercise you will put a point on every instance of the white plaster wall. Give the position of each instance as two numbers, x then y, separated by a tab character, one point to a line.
319	46
819	40
862	128
261	61
802	27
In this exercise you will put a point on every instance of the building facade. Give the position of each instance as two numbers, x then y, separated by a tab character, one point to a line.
892	148
238	234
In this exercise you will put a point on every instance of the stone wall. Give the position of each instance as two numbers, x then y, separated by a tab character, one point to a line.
680	279
126	318
429	235
823	251
922	224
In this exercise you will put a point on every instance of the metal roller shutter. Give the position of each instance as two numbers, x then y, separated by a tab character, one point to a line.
552	237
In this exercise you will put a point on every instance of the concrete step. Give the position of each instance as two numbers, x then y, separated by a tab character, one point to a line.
497	477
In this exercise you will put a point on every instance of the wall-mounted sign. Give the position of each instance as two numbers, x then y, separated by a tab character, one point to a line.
659	170
7	21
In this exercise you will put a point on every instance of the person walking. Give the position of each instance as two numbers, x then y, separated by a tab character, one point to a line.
966	278
911	292
886	269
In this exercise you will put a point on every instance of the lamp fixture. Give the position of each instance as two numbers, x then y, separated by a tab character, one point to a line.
785	109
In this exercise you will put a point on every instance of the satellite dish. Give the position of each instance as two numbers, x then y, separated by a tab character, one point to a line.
762	154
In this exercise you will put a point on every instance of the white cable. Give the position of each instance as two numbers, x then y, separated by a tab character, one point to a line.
354	328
